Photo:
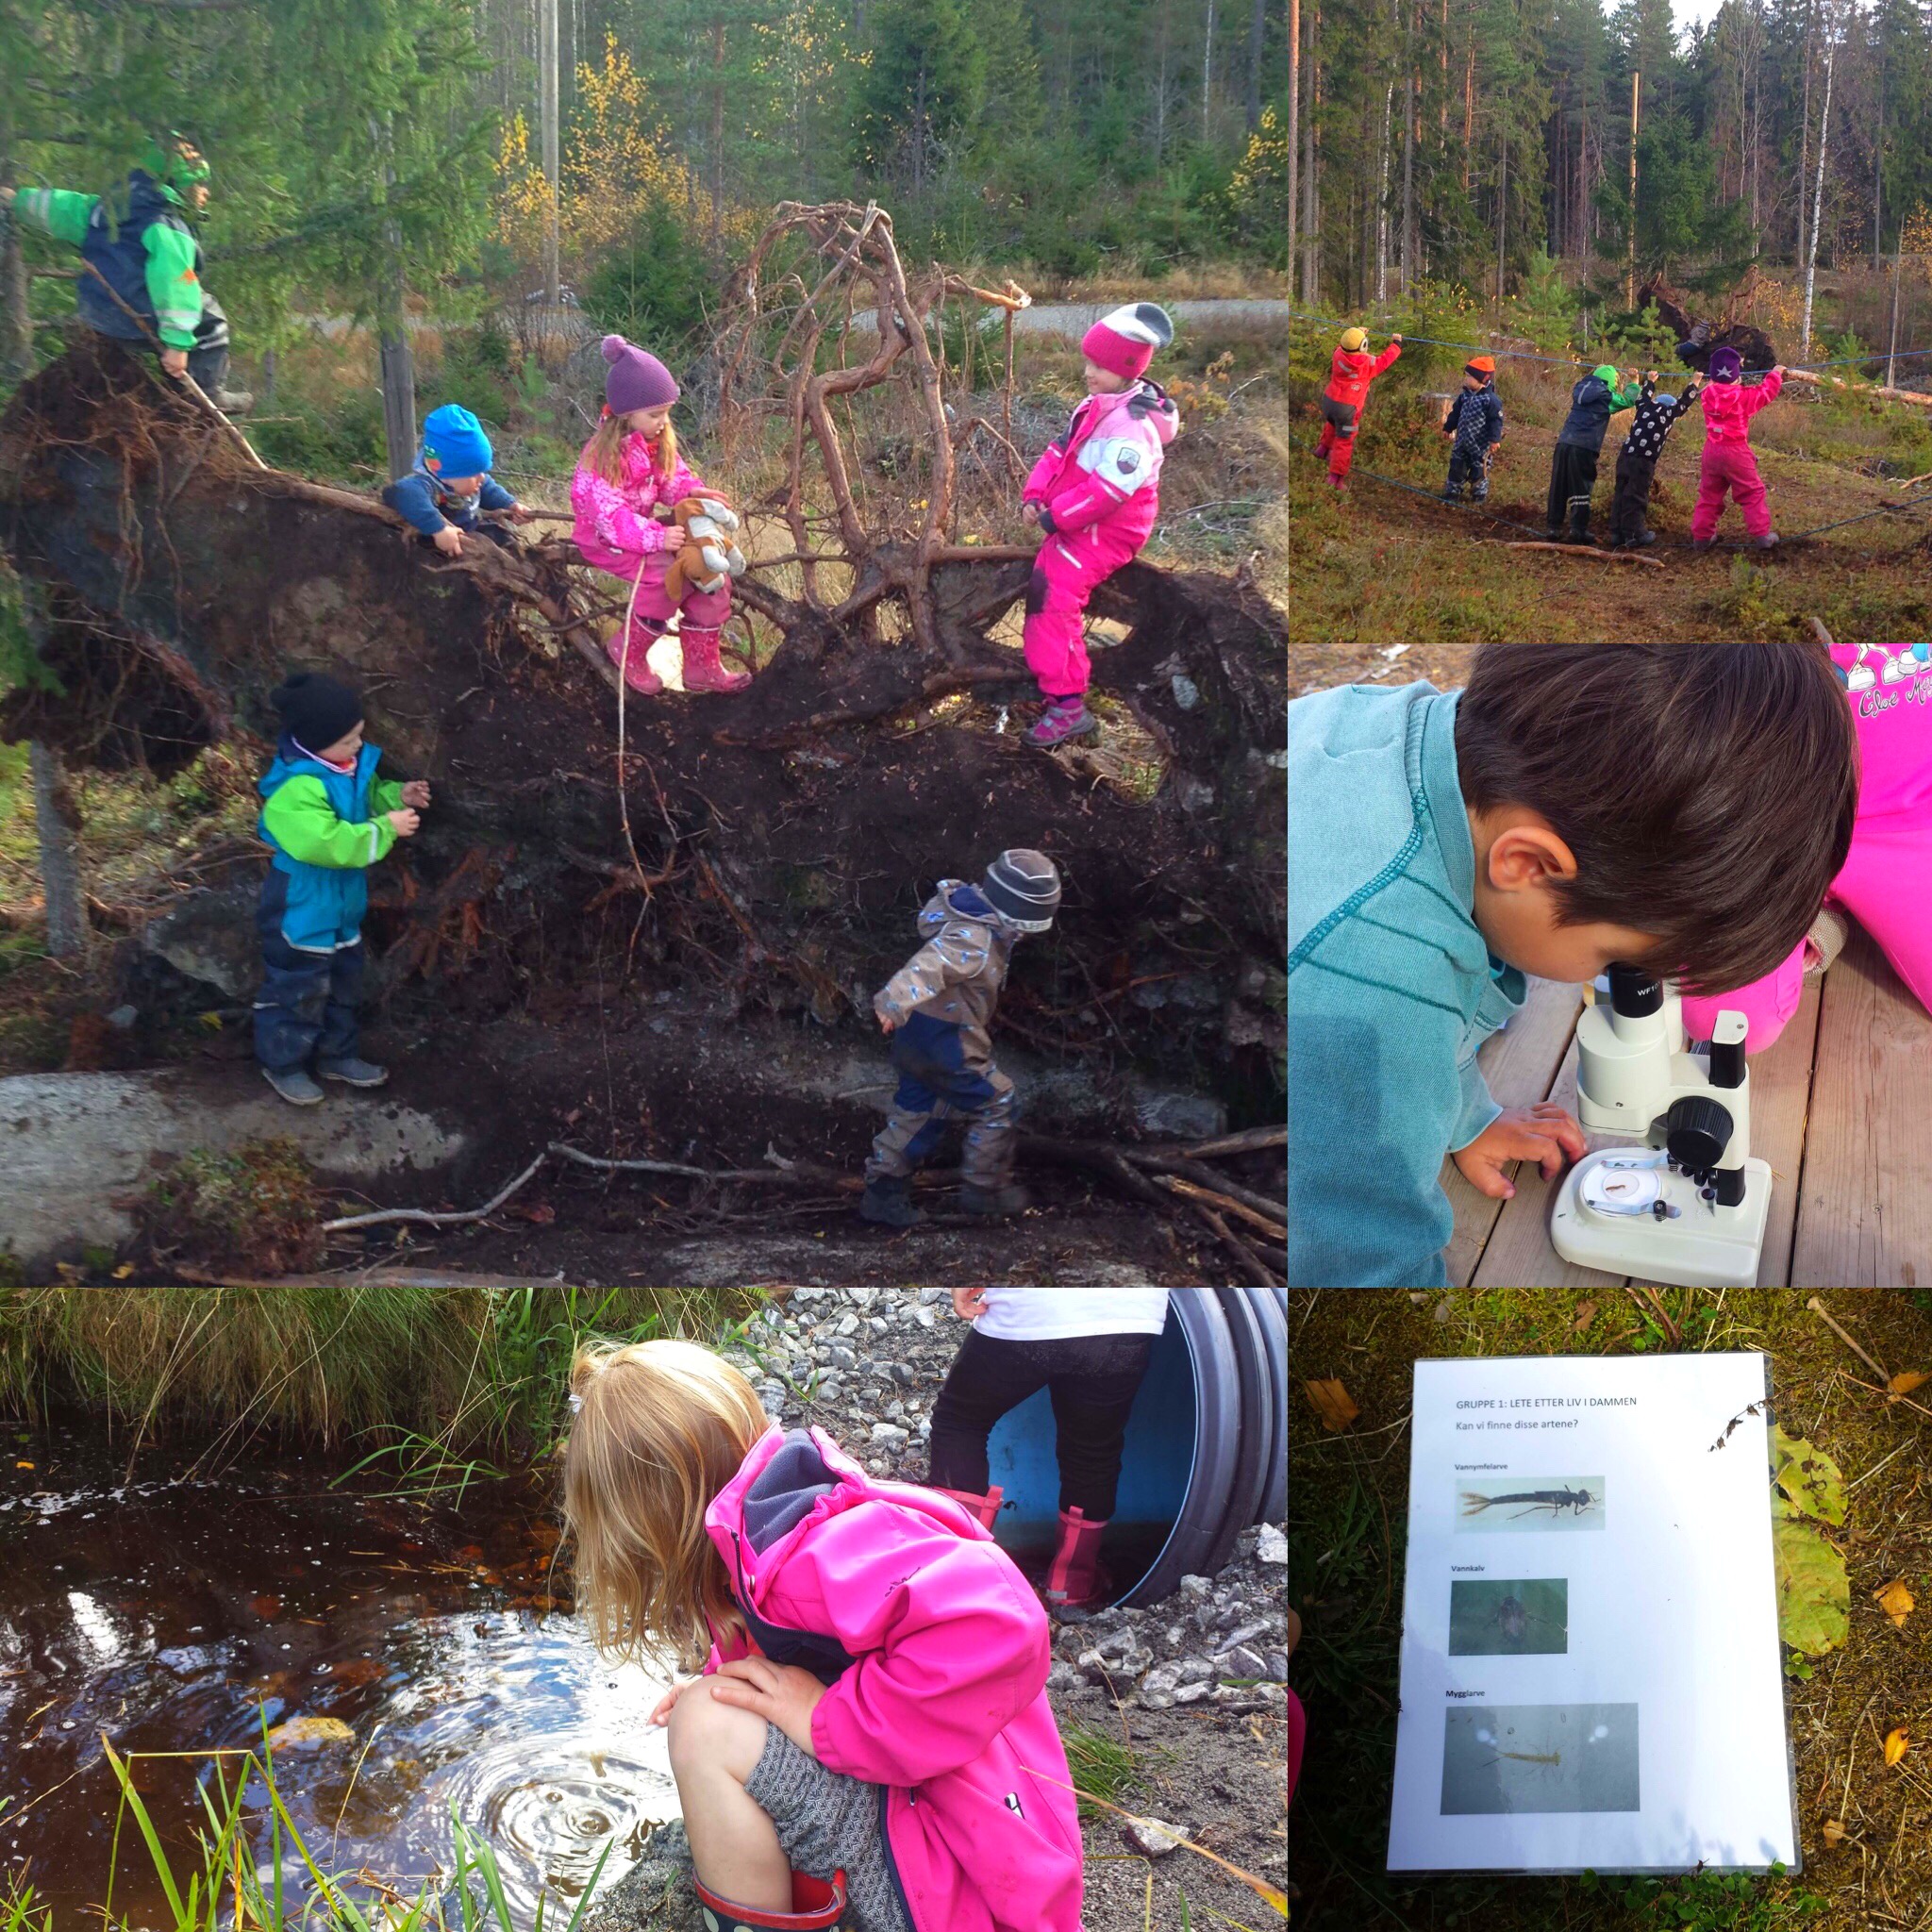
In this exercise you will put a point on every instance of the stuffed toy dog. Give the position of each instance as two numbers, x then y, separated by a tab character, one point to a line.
709	554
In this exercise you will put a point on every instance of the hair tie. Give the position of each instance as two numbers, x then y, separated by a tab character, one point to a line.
577	1402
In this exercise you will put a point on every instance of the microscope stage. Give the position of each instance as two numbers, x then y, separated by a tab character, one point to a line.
1606	1216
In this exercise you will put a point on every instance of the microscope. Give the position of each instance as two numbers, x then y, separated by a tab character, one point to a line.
1687	1206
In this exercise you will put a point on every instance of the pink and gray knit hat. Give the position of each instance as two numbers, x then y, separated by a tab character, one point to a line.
637	379
1124	342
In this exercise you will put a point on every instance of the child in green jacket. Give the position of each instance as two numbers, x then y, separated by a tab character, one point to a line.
328	818
138	248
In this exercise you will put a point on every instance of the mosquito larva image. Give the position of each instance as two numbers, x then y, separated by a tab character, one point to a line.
1541	1758
1532	1503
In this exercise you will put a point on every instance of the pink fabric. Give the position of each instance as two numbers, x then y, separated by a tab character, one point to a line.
1886	883
1064	574
1728	408
1351	370
614	523
946	1705
1729	466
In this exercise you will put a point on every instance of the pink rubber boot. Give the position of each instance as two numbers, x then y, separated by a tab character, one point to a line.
1076	1579
816	1903
701	670
986	1507
631	661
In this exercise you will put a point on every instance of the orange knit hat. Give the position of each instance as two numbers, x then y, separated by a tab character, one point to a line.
1481	365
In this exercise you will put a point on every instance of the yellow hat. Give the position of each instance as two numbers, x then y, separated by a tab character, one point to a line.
1353	338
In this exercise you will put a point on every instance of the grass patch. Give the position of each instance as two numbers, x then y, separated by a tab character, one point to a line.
253	1210
1347	1521
1100	1765
474	1373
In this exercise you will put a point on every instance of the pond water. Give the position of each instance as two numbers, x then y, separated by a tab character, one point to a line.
171	1608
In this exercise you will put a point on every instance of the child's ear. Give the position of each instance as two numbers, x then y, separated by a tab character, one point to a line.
1527	855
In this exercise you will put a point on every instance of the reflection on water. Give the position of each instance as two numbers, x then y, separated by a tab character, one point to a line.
175	1614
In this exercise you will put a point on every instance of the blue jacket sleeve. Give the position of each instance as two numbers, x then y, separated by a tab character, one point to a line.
1455	406
1495	419
409	497
494	496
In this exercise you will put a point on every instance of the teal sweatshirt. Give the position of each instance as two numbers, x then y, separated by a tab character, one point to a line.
1390	987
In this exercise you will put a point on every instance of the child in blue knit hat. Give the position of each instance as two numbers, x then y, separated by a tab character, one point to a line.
450	484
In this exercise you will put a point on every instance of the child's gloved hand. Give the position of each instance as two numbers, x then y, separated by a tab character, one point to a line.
405	823
1544	1133
782	1695
416	795
449	539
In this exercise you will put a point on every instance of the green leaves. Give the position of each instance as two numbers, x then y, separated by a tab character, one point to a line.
1814	1593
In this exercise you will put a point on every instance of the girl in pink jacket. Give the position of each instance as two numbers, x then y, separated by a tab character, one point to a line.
867	1740
1886	883
1094	496
1728	464
628	477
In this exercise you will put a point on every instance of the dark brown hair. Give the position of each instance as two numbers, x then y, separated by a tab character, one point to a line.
1706	789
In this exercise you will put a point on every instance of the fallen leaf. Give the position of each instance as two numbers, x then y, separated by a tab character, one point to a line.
305	1733
1895	1600
23	1465
540	1213
1896	1744
125	1269
1331	1403
1808	1477
1585	1316
1813	1594
1906	1383
1834	1831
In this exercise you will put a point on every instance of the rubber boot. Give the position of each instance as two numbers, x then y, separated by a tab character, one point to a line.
1579	522
701	670
353	1071
1075	1578
634	663
1010	1199
1770	540
888	1203
815	1903
986	1507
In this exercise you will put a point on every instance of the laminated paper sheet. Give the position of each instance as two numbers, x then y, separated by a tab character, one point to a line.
1591	1669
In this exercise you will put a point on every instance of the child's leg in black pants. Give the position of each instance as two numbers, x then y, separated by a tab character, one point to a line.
1092	1379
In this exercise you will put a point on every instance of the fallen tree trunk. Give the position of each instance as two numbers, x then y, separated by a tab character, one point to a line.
784	836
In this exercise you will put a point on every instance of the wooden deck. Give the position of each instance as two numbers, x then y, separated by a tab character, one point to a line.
1841	1108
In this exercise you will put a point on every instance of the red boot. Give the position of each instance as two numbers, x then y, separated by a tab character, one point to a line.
986	1507
815	1901
701	670
1076	1580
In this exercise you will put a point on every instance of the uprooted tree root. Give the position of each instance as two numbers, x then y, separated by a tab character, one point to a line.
767	847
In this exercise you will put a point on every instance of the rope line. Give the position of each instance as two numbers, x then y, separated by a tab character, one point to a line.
1575	359
1543	534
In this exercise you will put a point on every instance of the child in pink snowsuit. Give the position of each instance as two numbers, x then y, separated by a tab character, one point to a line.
628	478
1094	496
866	1742
1728	464
1886	883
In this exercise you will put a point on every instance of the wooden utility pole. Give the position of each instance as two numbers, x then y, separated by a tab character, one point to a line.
547	114
1631	274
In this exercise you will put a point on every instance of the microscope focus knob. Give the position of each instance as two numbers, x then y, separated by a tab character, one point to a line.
1697	1131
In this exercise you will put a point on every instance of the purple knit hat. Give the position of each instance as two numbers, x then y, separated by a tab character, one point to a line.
1726	365
637	380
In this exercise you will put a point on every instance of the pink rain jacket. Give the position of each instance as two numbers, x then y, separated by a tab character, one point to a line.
1105	472
936	1652
1728	408
614	527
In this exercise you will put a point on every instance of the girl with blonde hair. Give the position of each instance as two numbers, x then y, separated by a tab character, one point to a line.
865	1738
629	477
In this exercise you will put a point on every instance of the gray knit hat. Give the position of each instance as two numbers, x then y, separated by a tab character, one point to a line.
1024	887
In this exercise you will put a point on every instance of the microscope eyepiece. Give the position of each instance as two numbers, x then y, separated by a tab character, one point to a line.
1633	991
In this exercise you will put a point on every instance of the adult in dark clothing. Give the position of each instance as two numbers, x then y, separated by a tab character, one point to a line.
1573	469
1637	463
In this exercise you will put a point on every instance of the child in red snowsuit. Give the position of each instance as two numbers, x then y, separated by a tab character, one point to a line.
1349	377
1728	464
1094	496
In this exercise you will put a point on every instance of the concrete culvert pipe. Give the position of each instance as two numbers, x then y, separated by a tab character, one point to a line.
1198	1454
1273	1306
